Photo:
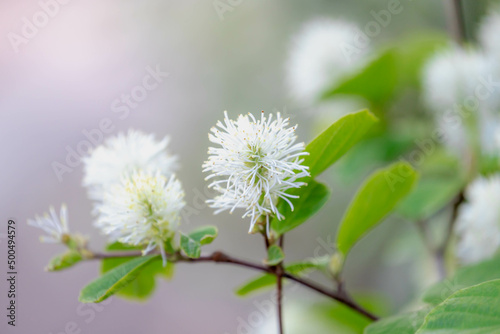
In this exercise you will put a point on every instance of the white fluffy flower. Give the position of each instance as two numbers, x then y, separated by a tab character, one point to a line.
143	210
256	163
451	80
451	76
122	155
55	227
478	224
321	53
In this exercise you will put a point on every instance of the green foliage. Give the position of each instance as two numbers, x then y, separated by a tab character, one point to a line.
275	255
114	280
430	195
464	277
474	310
64	261
376	198
191	243
144	284
407	323
311	199
335	141
376	82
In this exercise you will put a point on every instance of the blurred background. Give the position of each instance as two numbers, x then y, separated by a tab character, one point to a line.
68	76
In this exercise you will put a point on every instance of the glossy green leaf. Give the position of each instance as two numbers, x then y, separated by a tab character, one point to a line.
335	141
407	323
144	284
311	198
376	198
376	82
464	277
190	247
64	261
473	310
204	234
275	255
114	280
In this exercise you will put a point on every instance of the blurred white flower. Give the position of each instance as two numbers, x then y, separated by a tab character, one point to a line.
143	210
478	223
451	76
256	163
55	227
321	53
123	155
488	34
451	79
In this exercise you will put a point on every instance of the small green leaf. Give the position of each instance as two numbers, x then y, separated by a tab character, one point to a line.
144	284
335	141
275	255
376	82
311	198
114	280
383	190
191	247
407	323
268	280
63	261
463	278
204	235
473	310
261	282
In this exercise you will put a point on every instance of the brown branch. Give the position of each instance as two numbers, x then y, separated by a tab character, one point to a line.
455	20
220	257
279	287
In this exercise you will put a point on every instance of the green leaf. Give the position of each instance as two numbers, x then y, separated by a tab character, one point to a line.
383	190
429	196
464	277
268	280
473	310
114	280
144	284
275	255
335	141
191	247
376	82
407	323
311	198
204	235
63	261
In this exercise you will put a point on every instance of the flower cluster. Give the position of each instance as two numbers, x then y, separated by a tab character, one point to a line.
255	163
457	83
142	209
322	53
478	223
123	155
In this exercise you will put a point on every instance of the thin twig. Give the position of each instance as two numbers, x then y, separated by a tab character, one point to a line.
441	251
279	287
455	20
220	257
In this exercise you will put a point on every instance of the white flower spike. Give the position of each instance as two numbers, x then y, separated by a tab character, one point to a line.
143	210
478	224
123	155
256	163
55	227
